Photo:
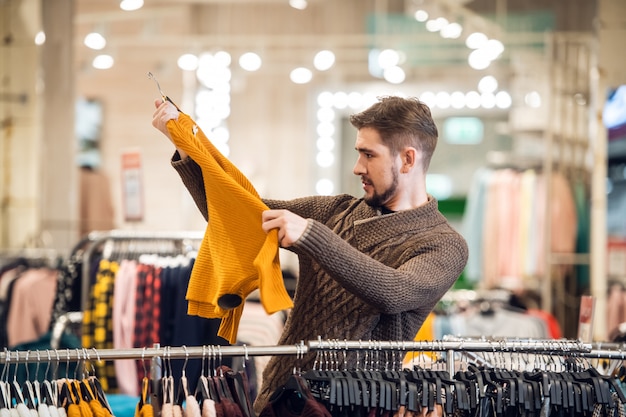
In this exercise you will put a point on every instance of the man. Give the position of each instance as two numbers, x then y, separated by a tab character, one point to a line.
370	268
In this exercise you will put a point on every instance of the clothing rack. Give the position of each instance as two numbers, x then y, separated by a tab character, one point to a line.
96	239
544	347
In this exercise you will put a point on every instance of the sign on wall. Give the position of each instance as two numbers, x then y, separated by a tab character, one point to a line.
132	187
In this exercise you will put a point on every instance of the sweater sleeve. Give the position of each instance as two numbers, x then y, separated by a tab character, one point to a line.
320	208
191	175
422	279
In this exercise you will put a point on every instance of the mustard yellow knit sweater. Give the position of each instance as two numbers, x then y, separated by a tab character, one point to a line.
236	256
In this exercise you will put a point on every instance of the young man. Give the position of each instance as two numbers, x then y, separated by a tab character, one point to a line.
370	268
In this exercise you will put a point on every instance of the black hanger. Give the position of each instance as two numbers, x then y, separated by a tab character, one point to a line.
471	387
202	390
293	394
238	384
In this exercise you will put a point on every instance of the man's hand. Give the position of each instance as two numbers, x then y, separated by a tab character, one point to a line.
165	111
290	226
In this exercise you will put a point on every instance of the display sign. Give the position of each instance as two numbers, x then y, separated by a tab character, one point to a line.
463	130
132	187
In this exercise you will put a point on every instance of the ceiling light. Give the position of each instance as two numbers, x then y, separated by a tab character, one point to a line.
301	75
103	62
324	60
324	187
325	128
421	15
533	99
188	62
451	31
394	75
340	100
388	58
493	48
94	40
476	40
325	114
428	98
457	100
325	159
487	100
355	100
442	100
250	61
326	144
130	5
478	59
488	84
40	38
503	100
472	100
298	4
325	99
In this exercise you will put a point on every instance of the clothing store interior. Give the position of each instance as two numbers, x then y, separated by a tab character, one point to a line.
529	98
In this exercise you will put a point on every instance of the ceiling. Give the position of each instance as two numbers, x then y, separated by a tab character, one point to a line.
162	30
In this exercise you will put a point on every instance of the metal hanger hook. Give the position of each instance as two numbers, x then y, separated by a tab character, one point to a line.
153	78
163	96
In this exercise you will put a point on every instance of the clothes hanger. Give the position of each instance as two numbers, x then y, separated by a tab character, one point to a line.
163	96
238	385
221	382
183	386
28	389
5	397
296	391
205	388
15	390
50	394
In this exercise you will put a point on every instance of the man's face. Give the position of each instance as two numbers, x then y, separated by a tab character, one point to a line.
378	169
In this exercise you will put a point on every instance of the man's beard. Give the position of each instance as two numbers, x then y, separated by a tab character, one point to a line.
379	200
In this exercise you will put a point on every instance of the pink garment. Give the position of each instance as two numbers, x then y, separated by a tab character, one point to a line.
124	325
564	216
527	222
490	228
508	254
31	305
564	221
538	240
516	222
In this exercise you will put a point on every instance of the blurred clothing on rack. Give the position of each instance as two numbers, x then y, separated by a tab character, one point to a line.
493	313
506	223
27	292
96	205
138	300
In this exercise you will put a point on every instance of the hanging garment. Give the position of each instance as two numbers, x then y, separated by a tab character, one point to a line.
236	256
31	303
97	326
147	309
69	288
294	399
124	294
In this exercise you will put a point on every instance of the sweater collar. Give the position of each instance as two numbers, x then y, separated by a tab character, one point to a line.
391	225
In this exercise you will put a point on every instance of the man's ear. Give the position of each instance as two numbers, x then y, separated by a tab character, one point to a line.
409	157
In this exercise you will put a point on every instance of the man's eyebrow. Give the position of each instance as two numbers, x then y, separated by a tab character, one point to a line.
367	150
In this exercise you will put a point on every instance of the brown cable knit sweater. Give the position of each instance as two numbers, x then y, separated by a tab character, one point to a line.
362	275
